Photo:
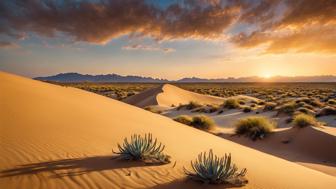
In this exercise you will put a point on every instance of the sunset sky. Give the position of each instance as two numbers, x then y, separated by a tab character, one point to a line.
169	39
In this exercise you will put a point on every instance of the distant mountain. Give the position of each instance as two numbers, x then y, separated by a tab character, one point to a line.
76	77
326	78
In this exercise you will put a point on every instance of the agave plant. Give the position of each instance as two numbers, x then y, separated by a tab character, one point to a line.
144	149
214	170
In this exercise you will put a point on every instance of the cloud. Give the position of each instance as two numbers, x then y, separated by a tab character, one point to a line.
302	26
147	48
280	25
101	21
8	45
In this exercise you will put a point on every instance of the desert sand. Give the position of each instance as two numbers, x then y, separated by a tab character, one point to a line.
61	137
167	95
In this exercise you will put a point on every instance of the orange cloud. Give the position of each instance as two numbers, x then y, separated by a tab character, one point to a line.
304	26
280	25
99	22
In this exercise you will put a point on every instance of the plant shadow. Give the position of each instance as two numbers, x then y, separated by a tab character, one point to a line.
73	167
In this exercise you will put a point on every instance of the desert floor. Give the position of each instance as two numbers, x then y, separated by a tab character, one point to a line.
61	137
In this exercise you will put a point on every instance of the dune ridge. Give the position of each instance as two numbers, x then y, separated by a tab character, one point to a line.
167	95
60	137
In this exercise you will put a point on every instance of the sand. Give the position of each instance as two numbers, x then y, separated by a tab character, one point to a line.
59	137
167	95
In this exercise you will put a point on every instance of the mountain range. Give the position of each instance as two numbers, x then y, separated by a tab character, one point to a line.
76	77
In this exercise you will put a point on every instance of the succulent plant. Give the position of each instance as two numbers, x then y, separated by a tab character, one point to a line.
216	170
144	149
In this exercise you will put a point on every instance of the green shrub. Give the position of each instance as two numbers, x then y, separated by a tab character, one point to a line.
184	119
216	170
144	149
231	103
304	120
202	122
254	127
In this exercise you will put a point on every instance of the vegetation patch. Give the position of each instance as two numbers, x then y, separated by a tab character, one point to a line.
144	149
211	169
231	103
247	109
199	121
191	105
254	127
304	120
269	106
187	120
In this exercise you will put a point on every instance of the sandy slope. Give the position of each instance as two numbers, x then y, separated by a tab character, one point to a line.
58	137
312	147
167	95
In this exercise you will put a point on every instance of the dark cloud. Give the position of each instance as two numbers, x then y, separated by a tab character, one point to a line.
99	22
278	24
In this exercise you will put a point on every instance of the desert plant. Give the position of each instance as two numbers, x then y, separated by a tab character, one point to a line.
231	103
305	111
304	120
247	109
152	109
192	105
332	101
216	170
269	106
254	127
288	108
144	149
202	122
184	119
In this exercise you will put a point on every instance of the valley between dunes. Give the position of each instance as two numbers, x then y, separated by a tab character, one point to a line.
61	137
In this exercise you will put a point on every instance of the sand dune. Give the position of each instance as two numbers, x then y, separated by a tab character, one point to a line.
59	137
168	95
310	146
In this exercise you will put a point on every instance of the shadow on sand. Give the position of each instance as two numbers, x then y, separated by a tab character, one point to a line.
306	145
72	167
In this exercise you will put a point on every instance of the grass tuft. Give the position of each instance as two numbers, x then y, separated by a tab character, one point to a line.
231	103
254	127
304	120
199	121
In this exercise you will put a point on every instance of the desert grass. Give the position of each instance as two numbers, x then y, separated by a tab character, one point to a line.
304	120
202	122
254	127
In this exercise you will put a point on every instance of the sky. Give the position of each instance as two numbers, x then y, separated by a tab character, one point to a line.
169	39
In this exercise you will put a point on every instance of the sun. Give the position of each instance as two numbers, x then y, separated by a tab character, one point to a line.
267	76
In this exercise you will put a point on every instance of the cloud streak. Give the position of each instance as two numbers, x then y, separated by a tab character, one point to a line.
280	25
147	48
